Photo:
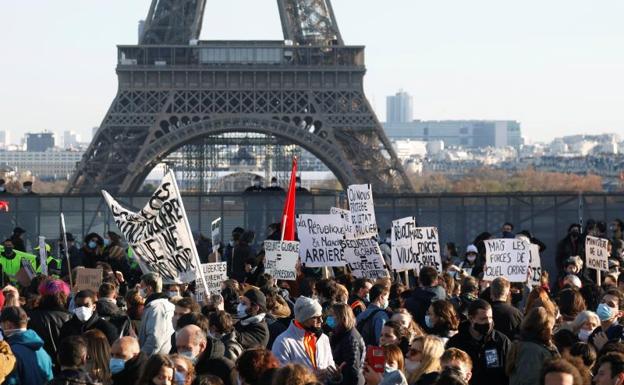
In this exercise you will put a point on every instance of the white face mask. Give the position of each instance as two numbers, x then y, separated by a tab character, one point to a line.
411	366
241	310
143	292
584	334
83	313
471	258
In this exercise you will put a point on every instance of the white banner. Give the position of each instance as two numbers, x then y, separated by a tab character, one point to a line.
535	264
320	236
214	274
364	258
281	259
508	258
404	256
43	256
597	253
427	247
349	229
362	210
215	232
159	234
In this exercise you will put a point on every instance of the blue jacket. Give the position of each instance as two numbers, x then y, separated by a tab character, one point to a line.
33	365
378	320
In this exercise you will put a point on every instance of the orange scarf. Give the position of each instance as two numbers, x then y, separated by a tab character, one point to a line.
309	343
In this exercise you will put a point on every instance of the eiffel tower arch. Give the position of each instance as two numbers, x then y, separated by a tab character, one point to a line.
174	89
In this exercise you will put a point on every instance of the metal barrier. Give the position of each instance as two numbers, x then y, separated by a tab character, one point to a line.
460	217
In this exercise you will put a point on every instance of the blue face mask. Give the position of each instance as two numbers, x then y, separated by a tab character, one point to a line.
428	322
189	354
92	245
179	378
604	312
117	365
106	241
331	322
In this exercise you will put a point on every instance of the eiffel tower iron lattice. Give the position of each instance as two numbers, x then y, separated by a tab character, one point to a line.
174	89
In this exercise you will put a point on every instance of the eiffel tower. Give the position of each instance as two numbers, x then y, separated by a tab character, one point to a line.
174	89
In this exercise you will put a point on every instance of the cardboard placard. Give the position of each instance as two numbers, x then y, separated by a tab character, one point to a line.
362	210
320	237
364	258
349	230
88	279
403	254
535	264
508	258
214	274
596	253
281	259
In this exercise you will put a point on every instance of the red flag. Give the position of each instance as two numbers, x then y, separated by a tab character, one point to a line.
288	215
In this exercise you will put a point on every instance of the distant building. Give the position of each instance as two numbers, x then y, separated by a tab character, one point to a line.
45	165
464	133
70	139
141	29
5	139
39	142
399	108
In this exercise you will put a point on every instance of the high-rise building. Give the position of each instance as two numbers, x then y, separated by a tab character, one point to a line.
5	139
399	108
39	142
70	139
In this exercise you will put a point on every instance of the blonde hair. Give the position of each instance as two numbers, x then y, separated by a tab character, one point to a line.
433	348
344	315
342	292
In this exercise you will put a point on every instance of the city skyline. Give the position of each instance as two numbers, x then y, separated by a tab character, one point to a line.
549	66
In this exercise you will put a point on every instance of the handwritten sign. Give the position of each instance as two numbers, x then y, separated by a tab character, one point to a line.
535	264
214	274
403	255
43	256
88	279
159	234
320	236
362	210
364	258
596	253
508	258
281	259
215	230
349	229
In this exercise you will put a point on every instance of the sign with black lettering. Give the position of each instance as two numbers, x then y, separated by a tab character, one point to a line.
508	258
414	247
281	259
320	239
535	264
362	211
159	234
364	258
214	274
596	253
215	232
349	230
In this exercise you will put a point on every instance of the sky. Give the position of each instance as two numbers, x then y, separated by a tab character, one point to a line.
556	66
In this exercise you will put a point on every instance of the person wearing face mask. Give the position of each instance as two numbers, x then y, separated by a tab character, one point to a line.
27	188
184	370
72	356
156	322
422	363
609	312
347	343
583	325
359	299
393	369
159	370
10	261
229	248
569	246
222	328
252	329
274	187
33	365
86	318
92	250
471	265
127	361
206	353
486	346
370	322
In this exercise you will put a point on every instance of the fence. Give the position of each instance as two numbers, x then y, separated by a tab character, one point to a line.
460	217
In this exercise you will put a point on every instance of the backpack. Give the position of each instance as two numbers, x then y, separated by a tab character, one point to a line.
365	327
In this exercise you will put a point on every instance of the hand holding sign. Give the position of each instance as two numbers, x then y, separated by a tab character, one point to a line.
508	258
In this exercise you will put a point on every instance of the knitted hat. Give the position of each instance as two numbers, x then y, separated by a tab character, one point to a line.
306	308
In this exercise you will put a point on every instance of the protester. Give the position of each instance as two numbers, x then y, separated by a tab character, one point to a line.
441	320
98	356
7	360
72	356
184	370
610	369
222	328
252	329
257	367
506	317
347	344
393	369
359	300
422	364
127	361
370	322
156	326
561	372
458	359
159	370
86	318
428	291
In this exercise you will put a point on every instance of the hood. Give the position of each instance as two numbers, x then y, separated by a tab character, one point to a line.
28	338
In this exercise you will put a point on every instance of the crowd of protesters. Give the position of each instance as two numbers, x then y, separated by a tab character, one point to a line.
324	328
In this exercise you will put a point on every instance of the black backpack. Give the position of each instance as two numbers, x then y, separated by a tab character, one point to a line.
365	327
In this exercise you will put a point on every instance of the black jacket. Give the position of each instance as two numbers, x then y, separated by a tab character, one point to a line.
253	334
73	377
47	324
276	327
233	348
418	304
348	347
211	361
132	370
240	254
74	327
488	355
507	319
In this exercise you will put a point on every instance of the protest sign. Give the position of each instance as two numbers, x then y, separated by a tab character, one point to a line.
349	230
26	273
535	264
281	259
596	253
88	279
43	256
159	234
362	211
213	274
364	258
508	258
428	248
215	232
320	236
402	253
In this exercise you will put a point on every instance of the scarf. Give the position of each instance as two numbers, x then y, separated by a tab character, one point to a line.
309	343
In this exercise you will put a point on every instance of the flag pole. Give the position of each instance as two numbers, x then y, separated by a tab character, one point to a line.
69	269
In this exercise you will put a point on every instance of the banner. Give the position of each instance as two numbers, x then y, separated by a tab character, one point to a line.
213	274
349	230
403	255
320	239
596	253
215	232
281	259
364	258
88	279
159	234
362	210
43	256
508	258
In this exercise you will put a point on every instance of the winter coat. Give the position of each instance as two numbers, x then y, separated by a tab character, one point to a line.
75	327
526	359
47	323
240	254
7	360
489	355
276	326
507	319
212	361
74	377
394	377
132	370
33	365
288	348
369	325
348	347
233	348
253	332
418	304
156	325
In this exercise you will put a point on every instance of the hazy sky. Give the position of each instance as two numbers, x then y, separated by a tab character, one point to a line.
557	66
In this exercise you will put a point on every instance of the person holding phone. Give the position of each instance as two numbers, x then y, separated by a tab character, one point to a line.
394	367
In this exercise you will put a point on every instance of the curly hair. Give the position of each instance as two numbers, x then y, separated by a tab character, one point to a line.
254	363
